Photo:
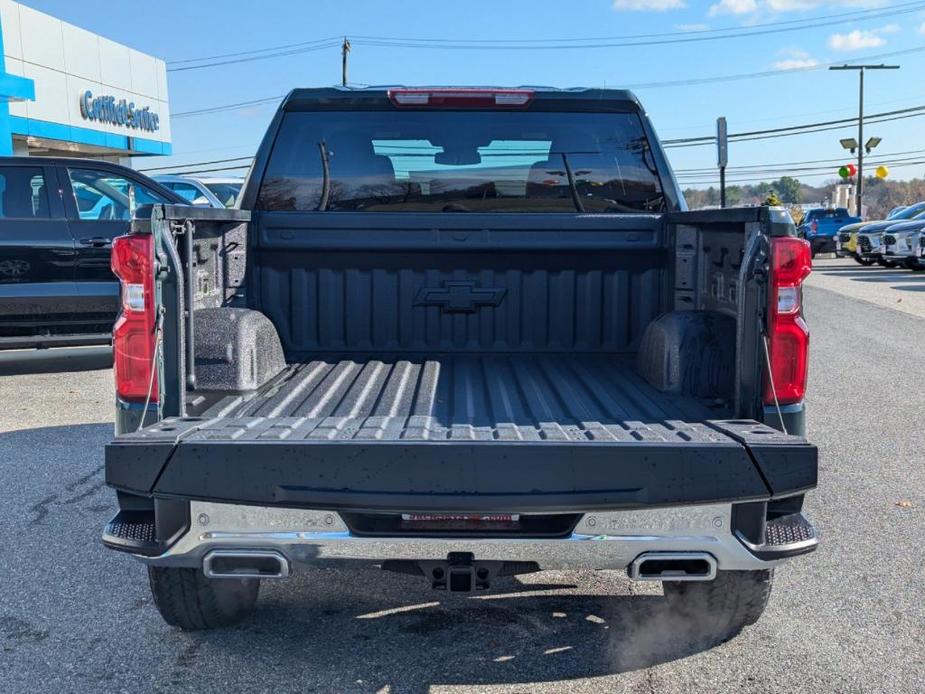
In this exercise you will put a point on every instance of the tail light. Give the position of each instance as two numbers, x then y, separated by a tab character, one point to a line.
133	335
461	98
788	336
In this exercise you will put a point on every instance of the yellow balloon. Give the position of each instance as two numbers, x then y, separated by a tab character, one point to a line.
882	172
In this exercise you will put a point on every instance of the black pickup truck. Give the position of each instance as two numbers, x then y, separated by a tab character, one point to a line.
461	334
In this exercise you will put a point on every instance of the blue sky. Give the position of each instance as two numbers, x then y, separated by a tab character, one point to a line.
177	30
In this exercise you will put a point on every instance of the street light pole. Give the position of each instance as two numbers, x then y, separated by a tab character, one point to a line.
859	192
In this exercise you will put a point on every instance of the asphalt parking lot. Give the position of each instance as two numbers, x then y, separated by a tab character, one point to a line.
75	617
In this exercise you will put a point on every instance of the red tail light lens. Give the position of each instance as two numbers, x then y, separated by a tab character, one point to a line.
133	335
788	336
461	98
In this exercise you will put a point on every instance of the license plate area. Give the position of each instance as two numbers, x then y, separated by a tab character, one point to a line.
470	525
460	521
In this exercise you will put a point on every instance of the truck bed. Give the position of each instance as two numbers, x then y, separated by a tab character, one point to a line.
466	398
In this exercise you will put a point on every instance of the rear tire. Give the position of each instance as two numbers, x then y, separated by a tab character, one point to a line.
721	608
187	599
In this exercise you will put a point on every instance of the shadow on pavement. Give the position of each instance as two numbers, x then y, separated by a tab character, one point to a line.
62	360
515	634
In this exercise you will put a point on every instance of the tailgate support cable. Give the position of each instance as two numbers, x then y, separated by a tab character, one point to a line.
158	334
767	358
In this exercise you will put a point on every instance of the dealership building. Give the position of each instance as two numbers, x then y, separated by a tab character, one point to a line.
65	91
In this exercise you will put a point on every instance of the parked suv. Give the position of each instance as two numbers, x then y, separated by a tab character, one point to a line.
58	218
870	238
846	243
902	244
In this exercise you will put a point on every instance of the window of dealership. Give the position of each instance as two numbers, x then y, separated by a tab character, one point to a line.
65	91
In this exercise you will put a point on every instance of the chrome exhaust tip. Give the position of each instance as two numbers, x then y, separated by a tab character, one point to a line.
228	563
673	566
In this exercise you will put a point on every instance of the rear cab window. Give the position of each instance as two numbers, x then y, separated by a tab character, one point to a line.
454	161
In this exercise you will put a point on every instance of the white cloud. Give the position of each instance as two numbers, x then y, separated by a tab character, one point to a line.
742	7
648	5
796	63
694	27
856	40
795	59
803	5
922	29
734	7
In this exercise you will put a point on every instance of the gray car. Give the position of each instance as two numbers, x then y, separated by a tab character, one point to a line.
204	191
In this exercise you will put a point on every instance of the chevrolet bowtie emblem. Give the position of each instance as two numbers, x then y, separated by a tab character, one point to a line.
459	297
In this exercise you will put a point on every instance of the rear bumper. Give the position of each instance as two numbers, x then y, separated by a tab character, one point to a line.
600	540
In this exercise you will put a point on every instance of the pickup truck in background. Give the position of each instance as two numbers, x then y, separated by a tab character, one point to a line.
820	227
461	334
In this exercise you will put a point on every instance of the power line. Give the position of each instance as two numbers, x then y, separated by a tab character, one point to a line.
766	73
849	16
220	168
221	56
625	41
636	40
228	107
197	163
759	178
880	158
234	61
690	141
820	126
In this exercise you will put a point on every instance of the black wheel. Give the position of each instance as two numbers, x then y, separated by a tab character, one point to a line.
721	608
916	267
187	599
866	262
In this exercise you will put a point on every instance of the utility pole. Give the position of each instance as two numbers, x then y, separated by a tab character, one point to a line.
722	156
859	192
344	50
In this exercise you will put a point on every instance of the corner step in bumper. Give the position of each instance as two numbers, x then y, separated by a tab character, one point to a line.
786	536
